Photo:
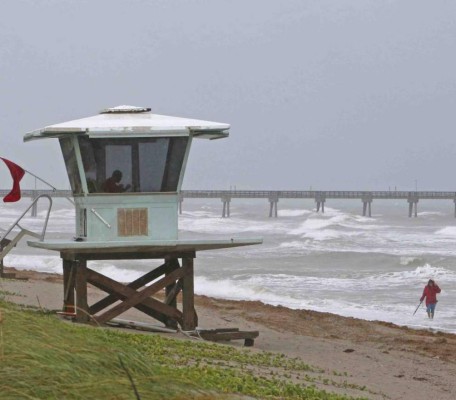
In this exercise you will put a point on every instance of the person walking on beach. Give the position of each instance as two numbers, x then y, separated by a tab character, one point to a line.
430	292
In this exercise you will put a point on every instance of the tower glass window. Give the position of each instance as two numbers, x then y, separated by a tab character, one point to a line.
69	156
132	165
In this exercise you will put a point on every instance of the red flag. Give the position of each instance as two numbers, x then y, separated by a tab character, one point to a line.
17	174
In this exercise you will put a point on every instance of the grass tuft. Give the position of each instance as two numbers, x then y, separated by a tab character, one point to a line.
45	358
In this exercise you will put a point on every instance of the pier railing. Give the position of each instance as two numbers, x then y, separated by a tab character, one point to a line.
38	192
320	197
312	194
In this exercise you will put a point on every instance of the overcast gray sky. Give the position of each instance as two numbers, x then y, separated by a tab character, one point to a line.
341	94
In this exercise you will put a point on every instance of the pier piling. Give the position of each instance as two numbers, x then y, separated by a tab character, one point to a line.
273	201
34	210
226	206
413	204
320	199
367	204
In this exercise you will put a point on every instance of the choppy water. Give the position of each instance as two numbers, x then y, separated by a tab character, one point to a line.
339	262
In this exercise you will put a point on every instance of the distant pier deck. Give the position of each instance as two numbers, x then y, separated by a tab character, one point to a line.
320	197
411	198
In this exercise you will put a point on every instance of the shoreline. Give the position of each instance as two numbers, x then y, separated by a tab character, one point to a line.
392	361
211	301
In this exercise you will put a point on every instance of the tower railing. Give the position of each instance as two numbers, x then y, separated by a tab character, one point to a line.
6	245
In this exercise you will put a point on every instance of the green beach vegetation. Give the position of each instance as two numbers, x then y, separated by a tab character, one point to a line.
42	357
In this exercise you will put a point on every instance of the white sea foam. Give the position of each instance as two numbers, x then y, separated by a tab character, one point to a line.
430	214
199	214
409	260
448	231
262	286
334	220
42	263
293	213
235	290
293	245
410	278
53	264
121	274
233	225
396	310
314	224
390	311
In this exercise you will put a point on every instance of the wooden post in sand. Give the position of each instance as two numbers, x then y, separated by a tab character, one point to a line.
82	308
68	286
188	299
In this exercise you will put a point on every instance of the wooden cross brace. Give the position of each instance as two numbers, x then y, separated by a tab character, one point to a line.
176	279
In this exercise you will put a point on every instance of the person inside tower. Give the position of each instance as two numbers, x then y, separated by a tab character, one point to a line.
113	185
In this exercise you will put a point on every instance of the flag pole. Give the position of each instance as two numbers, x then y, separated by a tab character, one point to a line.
46	183
42	180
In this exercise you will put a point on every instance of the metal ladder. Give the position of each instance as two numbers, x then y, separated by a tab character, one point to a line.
6	245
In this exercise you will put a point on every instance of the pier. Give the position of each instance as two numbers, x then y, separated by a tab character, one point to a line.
320	197
411	198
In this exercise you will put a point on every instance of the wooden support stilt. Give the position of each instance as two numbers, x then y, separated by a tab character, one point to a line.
171	297
82	308
188	296
68	286
171	292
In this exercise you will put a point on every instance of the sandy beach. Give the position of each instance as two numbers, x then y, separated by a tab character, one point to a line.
390	361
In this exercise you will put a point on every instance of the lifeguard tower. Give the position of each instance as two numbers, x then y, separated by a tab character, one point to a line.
126	167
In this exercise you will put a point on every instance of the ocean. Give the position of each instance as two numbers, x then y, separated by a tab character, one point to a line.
338	262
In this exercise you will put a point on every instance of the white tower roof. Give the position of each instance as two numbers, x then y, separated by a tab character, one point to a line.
131	121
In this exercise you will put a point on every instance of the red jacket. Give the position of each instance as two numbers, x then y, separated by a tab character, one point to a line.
430	292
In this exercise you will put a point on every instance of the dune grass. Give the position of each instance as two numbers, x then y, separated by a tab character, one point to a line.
42	357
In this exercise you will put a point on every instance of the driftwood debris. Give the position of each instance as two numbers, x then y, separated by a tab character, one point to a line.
227	334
